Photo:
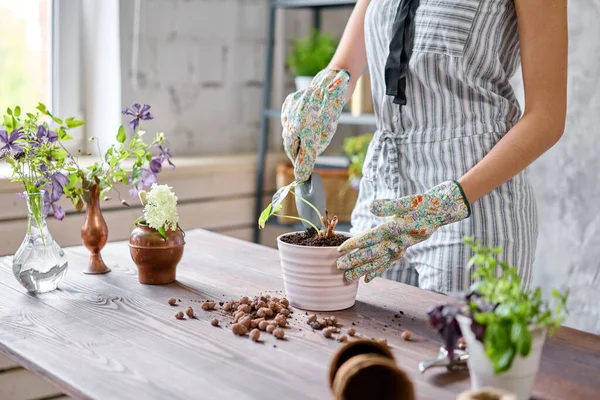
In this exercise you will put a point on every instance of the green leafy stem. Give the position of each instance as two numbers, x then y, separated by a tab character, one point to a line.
327	225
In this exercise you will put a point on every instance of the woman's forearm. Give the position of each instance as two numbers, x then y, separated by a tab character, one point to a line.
531	137
351	54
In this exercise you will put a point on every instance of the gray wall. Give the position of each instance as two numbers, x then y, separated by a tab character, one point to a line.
201	66
567	180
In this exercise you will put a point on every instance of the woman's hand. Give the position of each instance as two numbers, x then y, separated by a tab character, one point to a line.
414	219
310	118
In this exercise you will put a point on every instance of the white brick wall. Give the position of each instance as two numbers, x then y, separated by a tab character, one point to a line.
201	67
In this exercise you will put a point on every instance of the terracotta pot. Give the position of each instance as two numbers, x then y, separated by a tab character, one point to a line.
311	278
155	257
365	369
94	233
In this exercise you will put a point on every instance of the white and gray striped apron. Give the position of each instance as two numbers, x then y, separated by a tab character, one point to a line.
459	104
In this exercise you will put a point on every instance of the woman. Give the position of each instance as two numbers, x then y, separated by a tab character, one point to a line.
449	155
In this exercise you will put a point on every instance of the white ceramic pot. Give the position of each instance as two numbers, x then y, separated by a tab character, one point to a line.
311	279
519	379
303	82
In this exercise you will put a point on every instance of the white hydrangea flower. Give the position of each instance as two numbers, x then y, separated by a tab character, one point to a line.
161	208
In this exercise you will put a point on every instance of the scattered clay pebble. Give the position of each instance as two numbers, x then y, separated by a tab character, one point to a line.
214	322
333	319
227	306
190	312
271	327
244	300
311	318
279	333
208	305
239	329
406	335
315	325
382	341
180	315
281	320
342	338
244	308
285	302
172	301
285	312
262	325
255	335
237	316
327	332
351	331
255	322
245	321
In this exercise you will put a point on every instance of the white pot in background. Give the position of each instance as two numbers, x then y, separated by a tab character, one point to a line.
311	280
303	82
519	379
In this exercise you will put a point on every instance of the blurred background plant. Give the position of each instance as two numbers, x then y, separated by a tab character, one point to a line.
311	53
355	148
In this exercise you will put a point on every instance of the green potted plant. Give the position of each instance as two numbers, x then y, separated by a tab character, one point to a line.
308	260
355	148
132	162
310	55
32	144
156	243
503	324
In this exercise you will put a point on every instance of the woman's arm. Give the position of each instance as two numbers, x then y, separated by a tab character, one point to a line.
351	54
543	36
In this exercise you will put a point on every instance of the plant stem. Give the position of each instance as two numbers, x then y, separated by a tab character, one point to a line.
300	219
323	227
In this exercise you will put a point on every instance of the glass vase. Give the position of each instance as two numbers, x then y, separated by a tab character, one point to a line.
39	264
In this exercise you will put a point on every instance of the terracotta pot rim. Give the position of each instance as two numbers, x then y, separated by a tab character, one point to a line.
155	247
312	248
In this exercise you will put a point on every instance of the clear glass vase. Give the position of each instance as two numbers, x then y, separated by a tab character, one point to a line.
39	264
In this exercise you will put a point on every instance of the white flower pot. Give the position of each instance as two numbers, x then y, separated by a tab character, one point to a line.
303	82
519	379
311	278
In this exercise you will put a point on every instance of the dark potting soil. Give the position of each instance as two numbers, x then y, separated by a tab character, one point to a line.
309	238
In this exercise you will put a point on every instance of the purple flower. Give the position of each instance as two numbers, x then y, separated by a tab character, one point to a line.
45	135
165	154
156	165
137	112
147	179
58	181
50	202
9	142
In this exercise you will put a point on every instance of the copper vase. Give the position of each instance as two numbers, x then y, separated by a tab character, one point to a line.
156	257
365	369
94	233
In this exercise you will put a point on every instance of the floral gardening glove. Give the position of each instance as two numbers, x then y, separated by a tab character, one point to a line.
310	117
414	219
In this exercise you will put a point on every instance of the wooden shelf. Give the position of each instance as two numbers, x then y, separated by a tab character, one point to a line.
346	118
312	3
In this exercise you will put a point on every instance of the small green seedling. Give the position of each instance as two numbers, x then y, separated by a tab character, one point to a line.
327	225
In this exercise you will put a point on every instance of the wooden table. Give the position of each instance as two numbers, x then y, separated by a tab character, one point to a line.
109	337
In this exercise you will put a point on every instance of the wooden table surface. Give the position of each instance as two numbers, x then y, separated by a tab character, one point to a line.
109	337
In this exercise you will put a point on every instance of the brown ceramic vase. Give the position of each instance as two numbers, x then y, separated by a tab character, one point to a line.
94	233
155	257
365	369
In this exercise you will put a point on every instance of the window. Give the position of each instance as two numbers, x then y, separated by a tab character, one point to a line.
25	53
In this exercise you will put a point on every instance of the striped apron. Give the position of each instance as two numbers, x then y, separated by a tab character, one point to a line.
459	104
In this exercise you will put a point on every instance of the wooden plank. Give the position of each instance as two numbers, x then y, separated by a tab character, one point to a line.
20	384
7	363
105	336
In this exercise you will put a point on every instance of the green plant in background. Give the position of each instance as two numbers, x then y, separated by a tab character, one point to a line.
327	225
502	311
144	163
311	54
355	148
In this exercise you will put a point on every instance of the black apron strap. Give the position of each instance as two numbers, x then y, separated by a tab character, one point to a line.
401	45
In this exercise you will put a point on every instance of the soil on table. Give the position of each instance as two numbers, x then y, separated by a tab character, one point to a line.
310	238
